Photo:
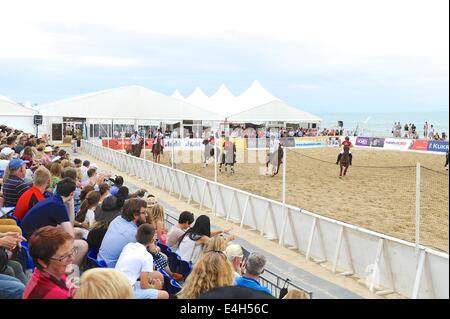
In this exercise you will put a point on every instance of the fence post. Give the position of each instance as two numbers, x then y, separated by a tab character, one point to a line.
283	210
417	209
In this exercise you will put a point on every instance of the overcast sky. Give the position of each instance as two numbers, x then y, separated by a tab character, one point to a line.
321	55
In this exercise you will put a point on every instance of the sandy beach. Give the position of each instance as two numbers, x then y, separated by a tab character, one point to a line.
378	192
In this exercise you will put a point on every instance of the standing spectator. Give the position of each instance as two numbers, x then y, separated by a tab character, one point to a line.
52	212
15	186
135	262
41	180
122	230
425	130
53	251
184	222
211	271
431	133
254	267
104	283
135	140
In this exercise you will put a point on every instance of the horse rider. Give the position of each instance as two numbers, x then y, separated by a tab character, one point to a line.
135	139
345	143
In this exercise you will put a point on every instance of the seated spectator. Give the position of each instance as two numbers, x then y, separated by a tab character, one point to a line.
212	270
84	168
85	218
155	217
235	254
71	173
184	222
118	182
10	287
28	156
5	156
41	180
135	262
56	171
77	163
216	243
151	201
46	158
104	283
190	245
15	186
254	267
90	178
103	189
9	241
122	231
108	210
52	212
53	252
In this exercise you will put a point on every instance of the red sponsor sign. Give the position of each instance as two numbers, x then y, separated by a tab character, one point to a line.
420	145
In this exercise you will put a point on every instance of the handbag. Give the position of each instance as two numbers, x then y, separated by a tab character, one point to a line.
284	290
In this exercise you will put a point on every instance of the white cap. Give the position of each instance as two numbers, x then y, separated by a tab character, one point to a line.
234	250
7	151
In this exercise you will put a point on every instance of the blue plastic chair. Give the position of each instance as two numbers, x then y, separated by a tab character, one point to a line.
170	284
30	263
92	256
176	264
164	248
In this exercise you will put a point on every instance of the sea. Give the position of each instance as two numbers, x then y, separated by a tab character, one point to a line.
380	124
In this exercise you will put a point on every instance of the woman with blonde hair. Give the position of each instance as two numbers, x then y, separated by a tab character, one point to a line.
104	283
156	217
217	243
211	270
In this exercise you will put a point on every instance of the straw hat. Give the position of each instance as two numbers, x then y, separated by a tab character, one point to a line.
48	149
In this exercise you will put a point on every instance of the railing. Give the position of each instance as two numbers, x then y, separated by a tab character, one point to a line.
384	263
272	281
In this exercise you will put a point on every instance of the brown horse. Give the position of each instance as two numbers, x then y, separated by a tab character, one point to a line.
157	150
344	161
276	159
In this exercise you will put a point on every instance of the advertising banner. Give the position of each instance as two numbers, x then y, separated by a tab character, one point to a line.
397	144
362	141
420	145
288	141
319	141
438	146
376	142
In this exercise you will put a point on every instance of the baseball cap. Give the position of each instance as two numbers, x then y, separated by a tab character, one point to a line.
16	163
7	151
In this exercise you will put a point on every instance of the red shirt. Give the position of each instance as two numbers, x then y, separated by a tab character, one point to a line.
28	199
43	286
347	143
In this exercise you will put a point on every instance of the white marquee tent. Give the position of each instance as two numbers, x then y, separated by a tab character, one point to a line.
16	115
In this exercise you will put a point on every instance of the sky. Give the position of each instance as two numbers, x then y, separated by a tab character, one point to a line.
320	56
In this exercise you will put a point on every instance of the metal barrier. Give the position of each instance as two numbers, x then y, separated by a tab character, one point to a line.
385	264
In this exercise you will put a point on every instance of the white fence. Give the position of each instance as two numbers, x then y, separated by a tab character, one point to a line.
384	263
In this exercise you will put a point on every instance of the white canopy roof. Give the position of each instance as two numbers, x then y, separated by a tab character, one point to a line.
130	102
255	95
7	107
4	98
223	102
198	97
274	111
177	95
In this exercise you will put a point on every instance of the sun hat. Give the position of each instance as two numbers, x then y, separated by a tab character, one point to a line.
48	149
7	151
234	250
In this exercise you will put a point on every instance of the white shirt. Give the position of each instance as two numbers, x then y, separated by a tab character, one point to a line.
134	139
173	236
188	250
134	260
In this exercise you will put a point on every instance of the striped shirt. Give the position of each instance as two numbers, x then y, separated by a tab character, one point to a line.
13	188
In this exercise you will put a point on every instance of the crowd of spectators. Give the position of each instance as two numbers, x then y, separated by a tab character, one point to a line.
410	131
60	214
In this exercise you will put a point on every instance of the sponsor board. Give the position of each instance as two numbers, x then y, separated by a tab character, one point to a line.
420	145
376	142
438	146
288	141
310	141
362	141
397	144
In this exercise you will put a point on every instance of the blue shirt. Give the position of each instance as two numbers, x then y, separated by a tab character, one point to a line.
120	232
48	212
113	190
251	283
